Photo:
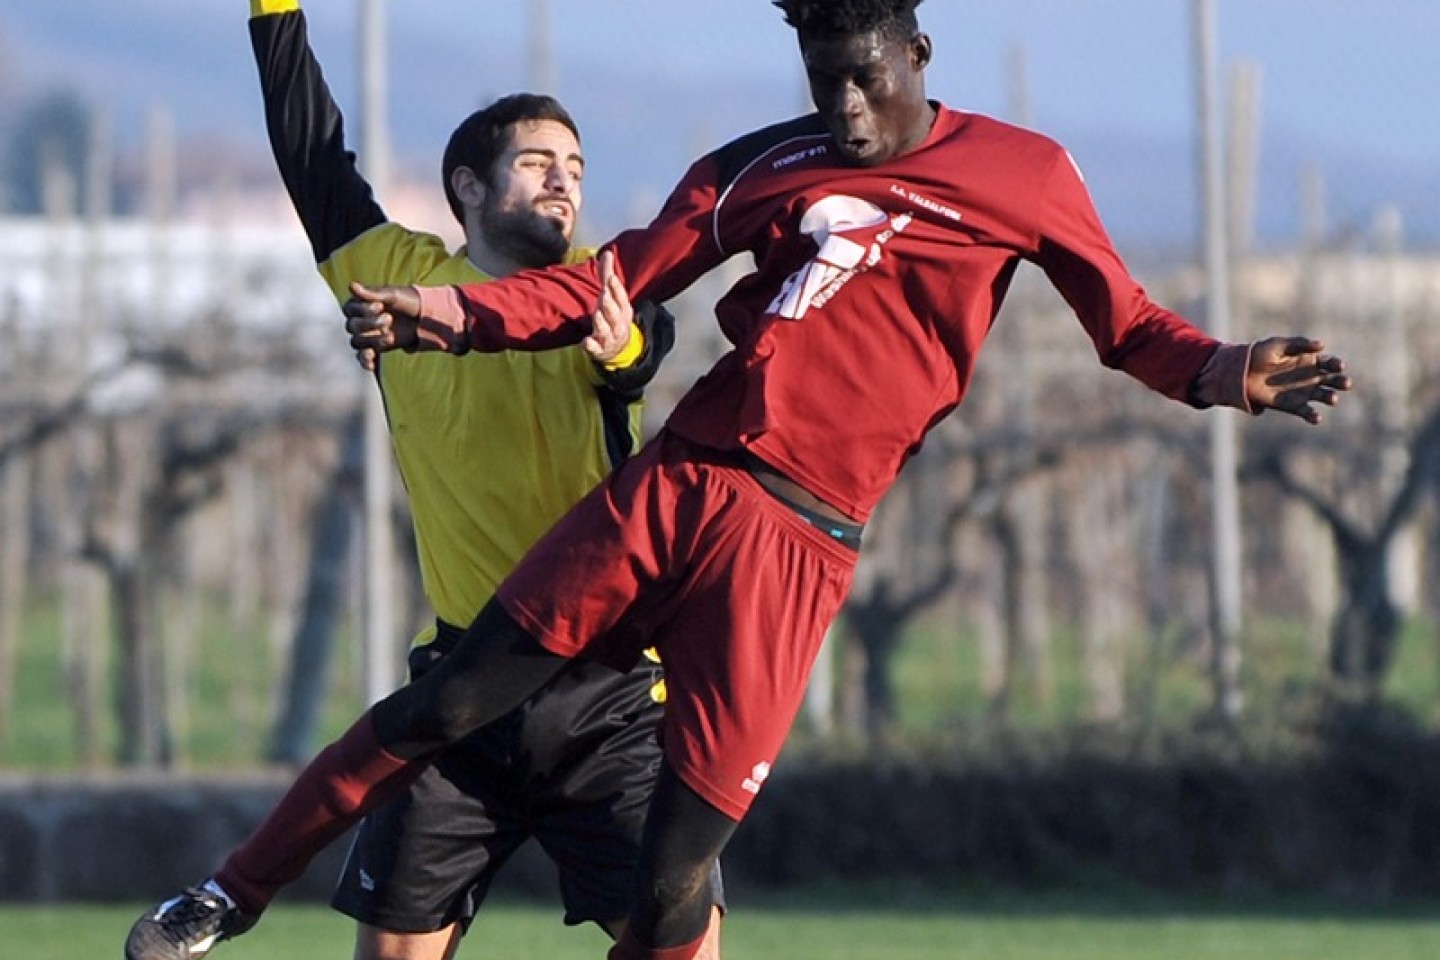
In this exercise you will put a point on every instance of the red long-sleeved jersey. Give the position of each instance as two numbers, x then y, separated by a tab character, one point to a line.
873	290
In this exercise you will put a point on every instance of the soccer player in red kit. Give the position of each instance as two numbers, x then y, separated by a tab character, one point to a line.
885	229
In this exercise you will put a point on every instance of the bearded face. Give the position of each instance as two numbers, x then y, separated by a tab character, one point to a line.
530	233
529	210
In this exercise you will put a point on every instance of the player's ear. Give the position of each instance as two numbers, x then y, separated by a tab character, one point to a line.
469	189
921	51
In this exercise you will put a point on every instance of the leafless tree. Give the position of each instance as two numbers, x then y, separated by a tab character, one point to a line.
1367	624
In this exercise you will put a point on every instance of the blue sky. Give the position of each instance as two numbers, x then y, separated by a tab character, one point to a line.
1349	88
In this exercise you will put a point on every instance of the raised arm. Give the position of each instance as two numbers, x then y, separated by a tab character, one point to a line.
626	342
307	131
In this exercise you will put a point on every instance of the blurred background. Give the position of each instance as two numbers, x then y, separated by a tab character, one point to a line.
1092	626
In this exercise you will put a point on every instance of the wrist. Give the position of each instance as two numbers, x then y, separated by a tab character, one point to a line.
633	350
441	323
261	8
1222	381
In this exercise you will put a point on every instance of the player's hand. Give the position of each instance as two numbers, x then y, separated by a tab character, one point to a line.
610	331
379	319
1294	375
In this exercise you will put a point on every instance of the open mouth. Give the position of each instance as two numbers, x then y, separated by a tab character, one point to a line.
857	148
555	210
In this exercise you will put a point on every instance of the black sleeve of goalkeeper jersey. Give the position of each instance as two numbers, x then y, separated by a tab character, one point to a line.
307	136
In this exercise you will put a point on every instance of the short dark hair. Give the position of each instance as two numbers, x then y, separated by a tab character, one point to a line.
481	137
892	19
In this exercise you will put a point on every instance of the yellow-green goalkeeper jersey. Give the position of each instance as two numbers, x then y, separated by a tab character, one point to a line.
492	448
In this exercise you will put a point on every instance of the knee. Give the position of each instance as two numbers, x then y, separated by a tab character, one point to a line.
679	885
417	720
453	714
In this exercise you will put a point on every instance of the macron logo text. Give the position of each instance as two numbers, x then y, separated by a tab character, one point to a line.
806	154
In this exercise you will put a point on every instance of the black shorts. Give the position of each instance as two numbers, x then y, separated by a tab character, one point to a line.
573	767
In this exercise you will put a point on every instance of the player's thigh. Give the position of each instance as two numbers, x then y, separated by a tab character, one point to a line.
427	860
595	799
738	651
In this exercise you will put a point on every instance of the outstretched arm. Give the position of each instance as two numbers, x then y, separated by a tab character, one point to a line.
307	131
1158	347
554	307
380	319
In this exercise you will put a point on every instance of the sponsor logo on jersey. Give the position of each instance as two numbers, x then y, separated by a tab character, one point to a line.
808	153
850	235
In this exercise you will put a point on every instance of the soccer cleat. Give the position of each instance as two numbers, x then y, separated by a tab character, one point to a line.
186	927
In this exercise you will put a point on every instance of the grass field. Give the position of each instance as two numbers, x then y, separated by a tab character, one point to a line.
1014	927
224	724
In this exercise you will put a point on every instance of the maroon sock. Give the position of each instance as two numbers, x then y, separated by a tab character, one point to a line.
347	779
628	948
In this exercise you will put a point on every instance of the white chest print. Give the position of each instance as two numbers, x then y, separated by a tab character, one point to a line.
850	235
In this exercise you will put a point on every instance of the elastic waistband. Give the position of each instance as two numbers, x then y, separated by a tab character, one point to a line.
846	533
849	534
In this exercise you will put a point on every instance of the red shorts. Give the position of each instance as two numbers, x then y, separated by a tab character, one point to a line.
682	550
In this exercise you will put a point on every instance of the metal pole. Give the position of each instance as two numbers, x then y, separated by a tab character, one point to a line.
1026	505
1226	572
381	656
1243	172
542	60
1393	391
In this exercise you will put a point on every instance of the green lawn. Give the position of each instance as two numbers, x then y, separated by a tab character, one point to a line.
817	928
